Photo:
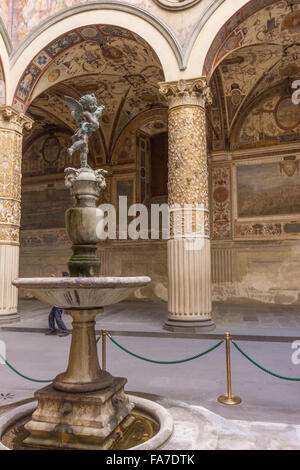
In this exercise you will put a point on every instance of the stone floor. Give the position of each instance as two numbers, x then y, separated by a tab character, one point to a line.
196	428
148	317
265	333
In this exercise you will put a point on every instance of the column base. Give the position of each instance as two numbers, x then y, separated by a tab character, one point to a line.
200	326
9	318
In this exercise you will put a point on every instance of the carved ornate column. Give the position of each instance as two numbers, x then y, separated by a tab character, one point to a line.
11	133
189	262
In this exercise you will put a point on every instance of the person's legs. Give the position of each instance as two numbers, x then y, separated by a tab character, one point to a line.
51	322
61	326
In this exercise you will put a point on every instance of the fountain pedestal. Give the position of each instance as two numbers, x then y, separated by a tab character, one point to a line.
83	406
83	373
79	421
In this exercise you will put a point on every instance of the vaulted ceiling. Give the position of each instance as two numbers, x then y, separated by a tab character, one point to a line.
115	64
259	60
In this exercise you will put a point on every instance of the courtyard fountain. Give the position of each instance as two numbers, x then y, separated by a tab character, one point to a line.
86	407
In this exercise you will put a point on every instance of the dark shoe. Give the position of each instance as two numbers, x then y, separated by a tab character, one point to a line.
63	334
50	332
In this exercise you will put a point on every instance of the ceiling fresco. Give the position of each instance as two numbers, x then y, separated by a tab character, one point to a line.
101	49
258	22
261	53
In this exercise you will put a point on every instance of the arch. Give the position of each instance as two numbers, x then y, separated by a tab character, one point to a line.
5	37
205	16
5	50
142	118
214	27
116	13
227	39
2	84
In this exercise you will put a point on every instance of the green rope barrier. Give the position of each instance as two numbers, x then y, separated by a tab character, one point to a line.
292	379
165	362
21	375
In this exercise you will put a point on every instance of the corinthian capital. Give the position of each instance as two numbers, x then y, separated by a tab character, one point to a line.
12	119
193	92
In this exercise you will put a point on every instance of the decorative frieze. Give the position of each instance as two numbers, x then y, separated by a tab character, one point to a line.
258	230
44	237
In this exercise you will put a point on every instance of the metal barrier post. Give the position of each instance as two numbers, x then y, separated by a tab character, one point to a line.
229	399
104	333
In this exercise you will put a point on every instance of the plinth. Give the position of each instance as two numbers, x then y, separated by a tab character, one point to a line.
83	421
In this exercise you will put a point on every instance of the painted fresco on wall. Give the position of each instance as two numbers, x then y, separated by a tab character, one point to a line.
29	13
273	120
4	11
47	154
269	189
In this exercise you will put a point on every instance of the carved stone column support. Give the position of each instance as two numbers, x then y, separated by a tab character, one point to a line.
189	263
12	123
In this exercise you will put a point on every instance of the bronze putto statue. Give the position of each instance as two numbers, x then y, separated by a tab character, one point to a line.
87	113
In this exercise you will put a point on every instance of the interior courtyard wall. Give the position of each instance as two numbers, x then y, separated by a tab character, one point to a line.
254	190
256	259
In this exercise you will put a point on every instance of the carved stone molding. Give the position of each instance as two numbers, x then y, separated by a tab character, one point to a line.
190	92
176	4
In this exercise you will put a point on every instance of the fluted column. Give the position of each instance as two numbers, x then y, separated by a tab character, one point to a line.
12	123
189	262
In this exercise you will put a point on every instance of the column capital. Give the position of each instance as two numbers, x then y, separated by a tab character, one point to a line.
186	92
12	119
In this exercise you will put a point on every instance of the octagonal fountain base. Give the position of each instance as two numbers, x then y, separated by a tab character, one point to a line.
147	427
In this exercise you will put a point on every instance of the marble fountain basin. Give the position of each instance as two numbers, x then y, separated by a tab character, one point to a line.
83	298
83	292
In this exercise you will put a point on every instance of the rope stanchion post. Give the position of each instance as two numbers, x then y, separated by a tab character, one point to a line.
104	333
229	399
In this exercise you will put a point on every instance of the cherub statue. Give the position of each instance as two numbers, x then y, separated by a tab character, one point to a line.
87	113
